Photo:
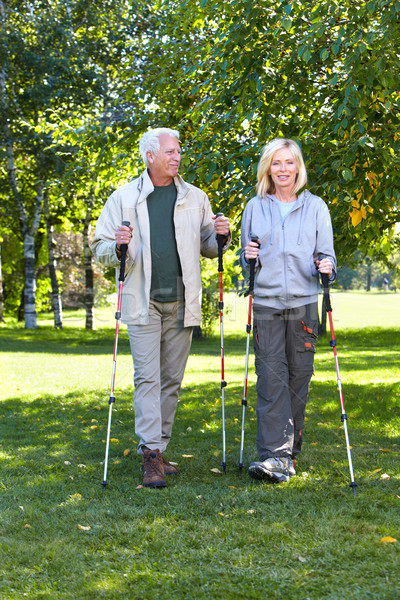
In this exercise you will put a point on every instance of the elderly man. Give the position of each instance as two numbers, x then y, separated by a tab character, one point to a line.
171	225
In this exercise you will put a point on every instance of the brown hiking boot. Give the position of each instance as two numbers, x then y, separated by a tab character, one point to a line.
153	469
169	469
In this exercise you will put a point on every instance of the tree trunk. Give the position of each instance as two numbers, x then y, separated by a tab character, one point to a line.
28	230
55	291
1	294
369	275
89	286
30	282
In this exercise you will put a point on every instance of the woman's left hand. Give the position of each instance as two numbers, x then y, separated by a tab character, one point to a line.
324	266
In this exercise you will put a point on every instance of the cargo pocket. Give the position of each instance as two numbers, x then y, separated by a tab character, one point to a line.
306	336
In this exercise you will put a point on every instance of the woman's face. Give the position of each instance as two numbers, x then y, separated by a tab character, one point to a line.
284	170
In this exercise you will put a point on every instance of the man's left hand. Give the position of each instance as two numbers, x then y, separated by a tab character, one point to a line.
221	225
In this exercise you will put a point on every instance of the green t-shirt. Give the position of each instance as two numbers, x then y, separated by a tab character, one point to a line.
166	271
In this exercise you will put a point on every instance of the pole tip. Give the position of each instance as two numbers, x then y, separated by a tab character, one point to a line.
223	465
240	465
353	486
104	484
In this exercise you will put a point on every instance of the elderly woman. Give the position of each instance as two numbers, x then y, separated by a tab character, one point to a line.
295	244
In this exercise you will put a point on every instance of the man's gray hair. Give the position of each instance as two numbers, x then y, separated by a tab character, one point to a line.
149	141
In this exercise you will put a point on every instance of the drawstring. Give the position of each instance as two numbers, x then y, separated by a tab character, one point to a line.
272	223
300	237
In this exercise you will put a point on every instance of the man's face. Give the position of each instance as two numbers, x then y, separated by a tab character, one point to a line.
165	164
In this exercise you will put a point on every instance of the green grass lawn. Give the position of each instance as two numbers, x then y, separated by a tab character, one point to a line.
207	535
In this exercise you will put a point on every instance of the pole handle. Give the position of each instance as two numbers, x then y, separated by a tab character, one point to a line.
252	261
325	285
123	249
220	242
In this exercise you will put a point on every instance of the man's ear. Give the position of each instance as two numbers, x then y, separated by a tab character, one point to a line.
150	157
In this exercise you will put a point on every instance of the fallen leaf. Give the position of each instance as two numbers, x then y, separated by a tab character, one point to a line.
384	450
114	440
84	528
76	497
215	470
385	476
251	511
139	487
187	456
302	559
373	472
82	466
21	507
388	540
236	439
66	462
127	452
27	526
93	427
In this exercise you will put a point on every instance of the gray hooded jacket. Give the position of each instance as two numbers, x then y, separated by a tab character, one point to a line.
286	274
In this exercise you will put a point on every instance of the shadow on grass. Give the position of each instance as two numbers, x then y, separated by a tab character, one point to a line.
82	341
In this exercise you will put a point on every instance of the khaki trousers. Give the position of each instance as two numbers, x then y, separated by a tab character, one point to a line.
160	350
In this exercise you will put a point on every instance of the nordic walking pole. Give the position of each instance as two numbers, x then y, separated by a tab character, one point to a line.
325	285
252	262
220	242
121	279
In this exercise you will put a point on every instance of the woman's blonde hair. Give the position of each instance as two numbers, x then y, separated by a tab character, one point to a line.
265	185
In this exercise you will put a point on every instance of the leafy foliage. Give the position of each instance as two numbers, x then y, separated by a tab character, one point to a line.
235	74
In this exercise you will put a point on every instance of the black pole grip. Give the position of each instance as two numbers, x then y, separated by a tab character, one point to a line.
220	242
252	262
123	249
325	285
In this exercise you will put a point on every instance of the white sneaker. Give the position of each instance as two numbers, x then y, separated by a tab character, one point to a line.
273	469
291	469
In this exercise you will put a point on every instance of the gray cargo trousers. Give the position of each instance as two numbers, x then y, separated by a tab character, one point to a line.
284	347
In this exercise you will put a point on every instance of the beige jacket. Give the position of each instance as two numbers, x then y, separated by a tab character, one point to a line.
195	236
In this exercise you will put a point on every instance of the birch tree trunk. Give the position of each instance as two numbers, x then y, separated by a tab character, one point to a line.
28	230
55	290
89	285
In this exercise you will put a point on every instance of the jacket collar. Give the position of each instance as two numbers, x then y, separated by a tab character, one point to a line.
146	187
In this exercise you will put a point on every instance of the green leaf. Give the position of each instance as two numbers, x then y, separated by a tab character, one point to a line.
324	55
347	174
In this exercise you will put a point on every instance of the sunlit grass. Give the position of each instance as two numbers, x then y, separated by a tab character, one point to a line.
206	535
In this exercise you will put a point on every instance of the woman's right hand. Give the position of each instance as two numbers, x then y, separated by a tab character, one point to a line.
252	250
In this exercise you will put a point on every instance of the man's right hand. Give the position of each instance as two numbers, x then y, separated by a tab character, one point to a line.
123	235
